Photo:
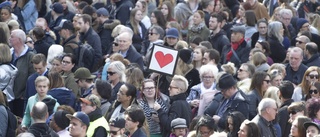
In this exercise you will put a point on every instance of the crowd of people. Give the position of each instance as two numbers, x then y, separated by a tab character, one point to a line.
81	68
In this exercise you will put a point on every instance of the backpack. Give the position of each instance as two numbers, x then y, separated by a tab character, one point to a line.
12	123
85	55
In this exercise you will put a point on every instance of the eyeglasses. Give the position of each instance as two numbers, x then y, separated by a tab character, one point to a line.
314	76
114	132
293	112
268	81
65	62
300	42
111	73
151	33
148	88
240	70
313	91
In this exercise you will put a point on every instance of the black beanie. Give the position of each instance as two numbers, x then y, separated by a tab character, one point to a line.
50	103
185	55
61	120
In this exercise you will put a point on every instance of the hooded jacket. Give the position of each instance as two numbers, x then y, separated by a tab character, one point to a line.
104	31
42	130
8	73
219	40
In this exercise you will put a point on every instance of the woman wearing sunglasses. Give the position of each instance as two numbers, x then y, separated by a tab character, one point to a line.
116	77
297	109
310	76
313	91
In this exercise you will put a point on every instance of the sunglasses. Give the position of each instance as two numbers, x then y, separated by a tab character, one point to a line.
293	112
268	81
300	42
111	73
313	76
115	44
313	91
151	33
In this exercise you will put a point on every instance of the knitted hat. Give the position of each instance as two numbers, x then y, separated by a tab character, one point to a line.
61	119
186	55
300	23
50	103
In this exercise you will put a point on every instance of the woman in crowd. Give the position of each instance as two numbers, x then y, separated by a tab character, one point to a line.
265	48
149	96
8	73
125	98
7	15
167	9
198	28
155	35
57	90
259	85
116	77
313	91
139	30
245	73
134	76
56	64
250	25
29	11
112	58
42	86
103	89
5	31
249	129
275	38
281	68
297	109
203	92
143	7
157	18
234	122
313	108
261	35
297	128
276	77
276	16
273	92
259	60
205	128
198	56
68	64
311	75
240	18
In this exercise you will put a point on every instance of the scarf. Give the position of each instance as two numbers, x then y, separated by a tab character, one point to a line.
197	28
235	46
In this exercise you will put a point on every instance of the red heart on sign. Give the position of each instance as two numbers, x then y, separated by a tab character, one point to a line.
162	59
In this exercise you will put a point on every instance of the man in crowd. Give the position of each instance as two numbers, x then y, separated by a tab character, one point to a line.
312	55
301	41
312	129
84	80
208	8
117	127
285	18
88	35
49	37
211	56
295	69
135	118
79	123
59	123
57	15
40	114
67	33
233	100
286	90
267	111
122	10
218	37
21	58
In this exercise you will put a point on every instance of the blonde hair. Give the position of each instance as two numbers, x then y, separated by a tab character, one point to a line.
181	44
272	92
181	82
116	30
229	68
5	54
42	79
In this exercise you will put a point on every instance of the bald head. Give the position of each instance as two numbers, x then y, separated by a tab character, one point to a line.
311	49
301	41
39	111
41	22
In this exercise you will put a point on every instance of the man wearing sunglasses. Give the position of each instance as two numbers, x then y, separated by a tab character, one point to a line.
301	41
117	127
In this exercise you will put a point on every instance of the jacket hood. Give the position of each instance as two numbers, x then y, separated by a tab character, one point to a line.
40	129
111	24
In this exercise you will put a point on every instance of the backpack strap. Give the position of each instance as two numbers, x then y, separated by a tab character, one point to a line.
236	55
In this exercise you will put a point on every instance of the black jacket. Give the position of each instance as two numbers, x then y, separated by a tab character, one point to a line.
42	130
42	47
254	39
313	61
238	102
283	115
219	40
295	76
137	39
278	52
70	44
122	11
254	100
134	57
179	109
138	133
214	105
242	51
93	39
104	31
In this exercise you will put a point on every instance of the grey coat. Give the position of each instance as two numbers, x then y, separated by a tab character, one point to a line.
8	74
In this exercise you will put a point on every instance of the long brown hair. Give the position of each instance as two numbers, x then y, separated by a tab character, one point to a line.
305	85
257	82
133	22
55	79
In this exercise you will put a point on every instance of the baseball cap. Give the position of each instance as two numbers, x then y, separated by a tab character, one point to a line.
179	123
81	116
57	7
64	24
83	73
172	33
118	122
92	100
102	11
307	124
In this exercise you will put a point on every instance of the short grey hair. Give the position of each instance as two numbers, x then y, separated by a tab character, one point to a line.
285	11
181	81
265	103
126	29
159	30
119	68
297	49
273	30
20	34
209	69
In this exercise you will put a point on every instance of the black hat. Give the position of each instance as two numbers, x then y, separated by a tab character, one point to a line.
50	103
226	81
57	8
307	124
61	119
118	122
64	24
186	55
